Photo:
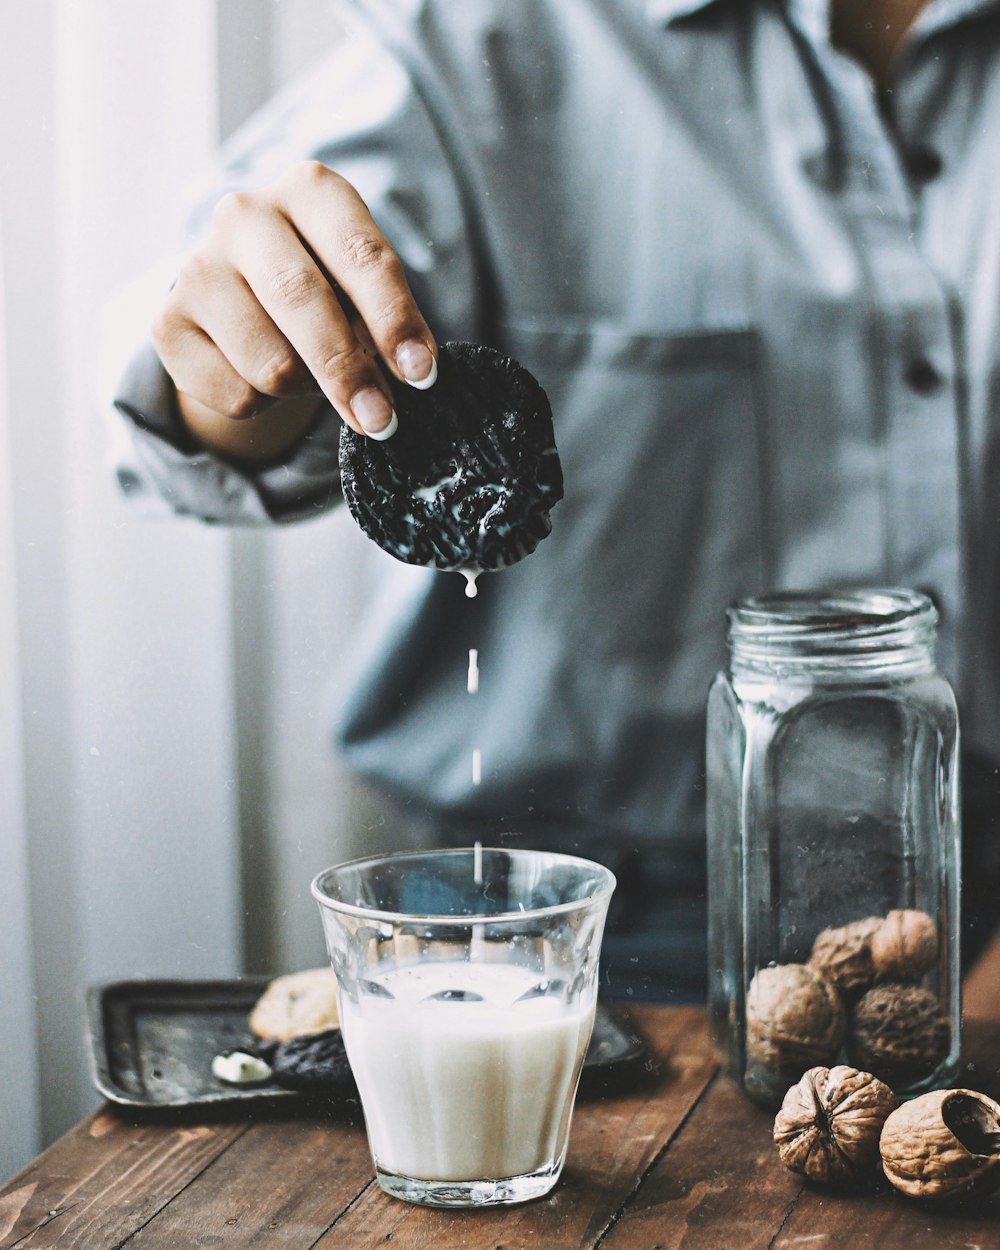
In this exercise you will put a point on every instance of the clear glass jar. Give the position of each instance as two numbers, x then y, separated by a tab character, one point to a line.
833	843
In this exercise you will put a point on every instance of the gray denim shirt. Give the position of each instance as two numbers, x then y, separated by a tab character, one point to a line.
765	306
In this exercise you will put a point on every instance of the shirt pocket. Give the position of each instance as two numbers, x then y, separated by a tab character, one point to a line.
664	520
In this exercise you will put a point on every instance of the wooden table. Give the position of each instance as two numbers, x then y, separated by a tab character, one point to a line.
685	1161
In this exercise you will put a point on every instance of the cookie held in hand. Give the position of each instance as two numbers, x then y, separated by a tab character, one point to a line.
467	481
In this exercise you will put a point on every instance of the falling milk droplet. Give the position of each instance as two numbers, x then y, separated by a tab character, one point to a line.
470	575
477	863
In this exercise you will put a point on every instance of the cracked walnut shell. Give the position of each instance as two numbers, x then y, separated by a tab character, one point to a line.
904	946
899	1032
945	1144
844	956
829	1124
795	1018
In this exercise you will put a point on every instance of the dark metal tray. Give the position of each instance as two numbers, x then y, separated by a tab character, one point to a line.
152	1043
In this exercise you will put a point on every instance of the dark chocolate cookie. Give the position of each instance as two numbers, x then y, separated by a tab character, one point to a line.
312	1064
469	477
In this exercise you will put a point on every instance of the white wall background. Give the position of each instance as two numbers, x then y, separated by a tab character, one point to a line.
166	788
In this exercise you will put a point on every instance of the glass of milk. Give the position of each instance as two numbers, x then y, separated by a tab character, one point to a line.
468	981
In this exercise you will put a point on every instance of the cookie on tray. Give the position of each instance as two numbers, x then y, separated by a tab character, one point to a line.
296	1005
467	481
312	1064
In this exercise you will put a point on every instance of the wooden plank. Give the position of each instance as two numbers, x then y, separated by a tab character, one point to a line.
885	1221
282	1185
104	1180
981	988
613	1141
685	1161
981	1055
720	1183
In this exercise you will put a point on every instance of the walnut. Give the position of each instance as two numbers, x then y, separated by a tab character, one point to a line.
945	1144
844	956
905	946
795	1018
898	1032
829	1124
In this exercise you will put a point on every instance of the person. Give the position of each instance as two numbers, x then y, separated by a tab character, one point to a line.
752	252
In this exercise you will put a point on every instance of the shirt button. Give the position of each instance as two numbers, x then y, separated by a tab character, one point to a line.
924	164
922	377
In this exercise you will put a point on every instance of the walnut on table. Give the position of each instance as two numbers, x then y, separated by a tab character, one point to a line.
829	1125
943	1145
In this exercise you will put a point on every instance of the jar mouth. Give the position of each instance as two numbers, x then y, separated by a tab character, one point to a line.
863	621
827	611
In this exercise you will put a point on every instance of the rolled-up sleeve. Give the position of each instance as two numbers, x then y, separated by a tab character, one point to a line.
159	469
359	113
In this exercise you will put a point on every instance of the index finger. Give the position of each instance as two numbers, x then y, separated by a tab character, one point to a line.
298	298
348	244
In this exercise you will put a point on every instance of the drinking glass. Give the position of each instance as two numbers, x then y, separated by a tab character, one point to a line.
467	983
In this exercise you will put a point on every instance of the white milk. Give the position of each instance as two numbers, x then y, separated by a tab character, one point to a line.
456	1091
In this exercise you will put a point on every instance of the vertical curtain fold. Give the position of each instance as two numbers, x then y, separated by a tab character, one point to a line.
136	709
122	640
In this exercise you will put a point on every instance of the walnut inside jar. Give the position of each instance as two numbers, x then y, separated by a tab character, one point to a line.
795	1019
844	956
899	1032
904	946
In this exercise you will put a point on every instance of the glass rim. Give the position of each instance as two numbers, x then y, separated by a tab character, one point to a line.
383	915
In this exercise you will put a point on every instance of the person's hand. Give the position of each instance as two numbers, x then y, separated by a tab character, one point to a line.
295	291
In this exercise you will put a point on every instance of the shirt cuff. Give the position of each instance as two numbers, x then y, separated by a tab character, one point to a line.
145	394
302	483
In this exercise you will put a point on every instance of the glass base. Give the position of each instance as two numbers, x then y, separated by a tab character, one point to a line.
486	1193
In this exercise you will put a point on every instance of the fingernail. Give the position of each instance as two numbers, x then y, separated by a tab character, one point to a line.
374	413
417	364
